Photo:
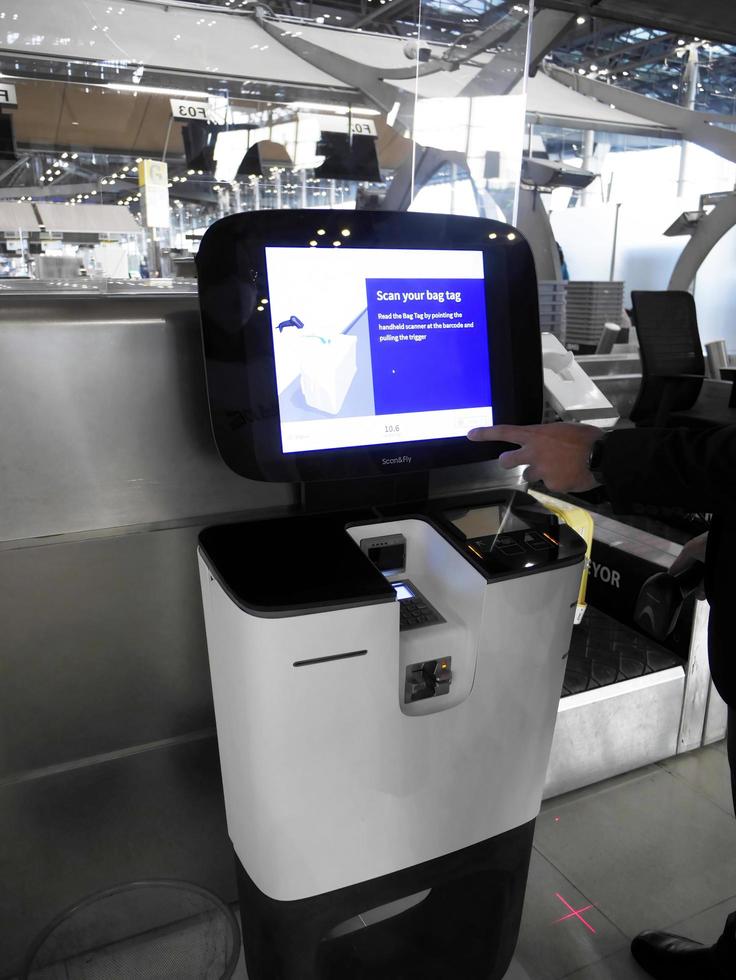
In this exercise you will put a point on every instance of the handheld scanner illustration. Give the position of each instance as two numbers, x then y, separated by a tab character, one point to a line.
293	321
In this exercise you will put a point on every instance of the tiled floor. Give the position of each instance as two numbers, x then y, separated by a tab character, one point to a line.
655	848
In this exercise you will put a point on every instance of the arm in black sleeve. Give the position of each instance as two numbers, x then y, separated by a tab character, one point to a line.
690	468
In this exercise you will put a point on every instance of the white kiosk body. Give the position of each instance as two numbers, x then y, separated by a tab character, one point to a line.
330	777
386	668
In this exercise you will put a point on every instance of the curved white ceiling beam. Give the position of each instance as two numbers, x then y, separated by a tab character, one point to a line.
705	129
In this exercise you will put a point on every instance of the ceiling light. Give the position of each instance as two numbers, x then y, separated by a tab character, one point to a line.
155	90
326	107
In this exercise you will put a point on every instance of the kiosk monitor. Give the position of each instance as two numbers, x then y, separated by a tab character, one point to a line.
365	343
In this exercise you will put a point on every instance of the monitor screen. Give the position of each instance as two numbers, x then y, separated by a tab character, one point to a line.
402	591
477	522
378	346
345	344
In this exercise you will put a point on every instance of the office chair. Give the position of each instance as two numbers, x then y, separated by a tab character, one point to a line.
674	390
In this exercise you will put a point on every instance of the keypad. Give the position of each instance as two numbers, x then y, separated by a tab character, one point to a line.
417	612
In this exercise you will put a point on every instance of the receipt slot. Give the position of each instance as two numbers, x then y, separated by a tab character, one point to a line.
385	673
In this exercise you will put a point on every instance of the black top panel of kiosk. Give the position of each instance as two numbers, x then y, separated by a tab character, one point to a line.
349	344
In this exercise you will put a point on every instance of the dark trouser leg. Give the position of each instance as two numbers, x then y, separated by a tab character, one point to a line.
731	742
670	957
725	948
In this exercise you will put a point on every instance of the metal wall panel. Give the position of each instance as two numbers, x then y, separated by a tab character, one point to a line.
105	417
614	729
107	471
65	836
716	718
103	647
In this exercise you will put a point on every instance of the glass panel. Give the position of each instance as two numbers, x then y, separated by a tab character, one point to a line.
716	305
419	107
470	87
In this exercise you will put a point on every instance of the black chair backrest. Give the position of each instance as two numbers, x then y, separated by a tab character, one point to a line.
669	343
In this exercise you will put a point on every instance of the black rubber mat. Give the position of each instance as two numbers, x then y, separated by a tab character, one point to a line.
604	651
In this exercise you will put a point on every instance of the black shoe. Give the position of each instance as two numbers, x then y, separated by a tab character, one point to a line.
668	957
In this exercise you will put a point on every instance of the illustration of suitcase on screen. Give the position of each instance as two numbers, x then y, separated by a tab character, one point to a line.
329	366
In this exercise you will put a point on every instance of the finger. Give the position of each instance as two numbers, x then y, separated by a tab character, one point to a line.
514	457
532	475
499	433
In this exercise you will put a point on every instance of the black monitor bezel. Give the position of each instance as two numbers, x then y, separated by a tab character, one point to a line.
239	358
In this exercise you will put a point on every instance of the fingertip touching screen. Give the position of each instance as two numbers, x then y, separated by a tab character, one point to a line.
364	343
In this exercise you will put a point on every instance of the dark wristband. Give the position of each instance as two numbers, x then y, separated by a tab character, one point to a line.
595	458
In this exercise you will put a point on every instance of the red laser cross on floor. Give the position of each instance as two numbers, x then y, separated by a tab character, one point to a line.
574	913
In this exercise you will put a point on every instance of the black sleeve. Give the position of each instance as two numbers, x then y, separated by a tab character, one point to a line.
689	468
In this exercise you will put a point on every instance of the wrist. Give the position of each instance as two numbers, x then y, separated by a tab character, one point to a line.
595	459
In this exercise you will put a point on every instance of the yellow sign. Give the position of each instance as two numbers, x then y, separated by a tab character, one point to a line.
153	179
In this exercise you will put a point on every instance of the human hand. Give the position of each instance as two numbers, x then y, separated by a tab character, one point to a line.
692	552
557	454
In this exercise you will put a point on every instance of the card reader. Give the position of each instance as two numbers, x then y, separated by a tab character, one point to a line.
387	552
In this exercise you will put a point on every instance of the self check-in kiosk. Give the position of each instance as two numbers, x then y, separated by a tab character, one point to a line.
386	667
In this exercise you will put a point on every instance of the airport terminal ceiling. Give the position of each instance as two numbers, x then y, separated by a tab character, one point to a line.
67	104
638	44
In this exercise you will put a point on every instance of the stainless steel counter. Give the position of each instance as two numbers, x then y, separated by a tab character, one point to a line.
105	418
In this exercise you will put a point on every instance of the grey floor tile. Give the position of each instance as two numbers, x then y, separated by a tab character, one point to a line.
706	770
605	786
552	941
721	746
645	852
706	926
517	972
620	966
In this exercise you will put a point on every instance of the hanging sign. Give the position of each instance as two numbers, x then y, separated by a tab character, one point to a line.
186	110
153	180
346	124
8	97
215	110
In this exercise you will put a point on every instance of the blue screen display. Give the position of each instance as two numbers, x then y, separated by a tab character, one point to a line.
377	346
429	344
